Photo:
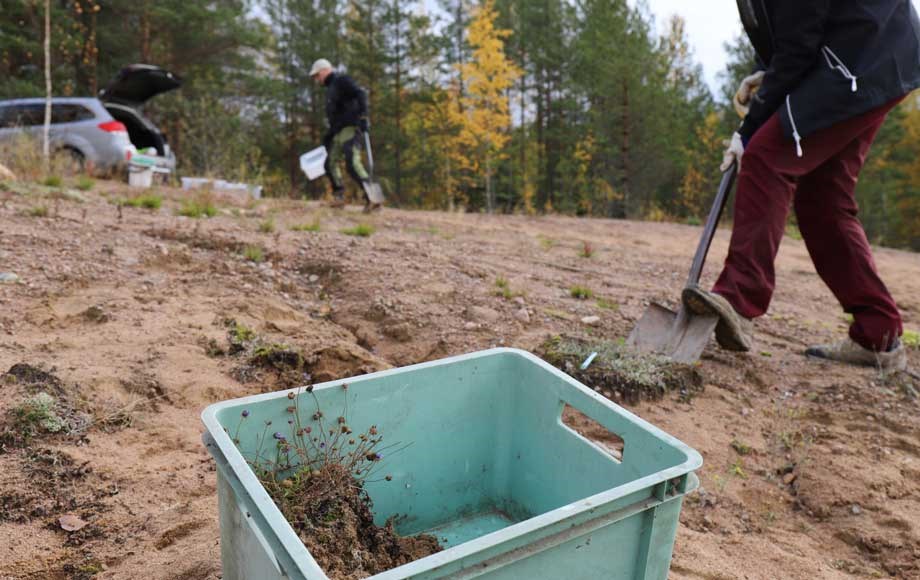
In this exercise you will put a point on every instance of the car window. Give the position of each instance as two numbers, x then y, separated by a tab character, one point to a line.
69	114
22	115
34	114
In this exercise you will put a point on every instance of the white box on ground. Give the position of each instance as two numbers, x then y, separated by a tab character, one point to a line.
222	186
313	163
140	176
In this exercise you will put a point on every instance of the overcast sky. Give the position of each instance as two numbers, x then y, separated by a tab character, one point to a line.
710	23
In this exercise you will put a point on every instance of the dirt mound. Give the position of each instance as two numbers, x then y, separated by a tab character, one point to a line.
620	374
331	513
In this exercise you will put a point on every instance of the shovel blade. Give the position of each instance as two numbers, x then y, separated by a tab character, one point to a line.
680	335
374	192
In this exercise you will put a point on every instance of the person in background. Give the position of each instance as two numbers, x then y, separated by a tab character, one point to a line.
346	114
832	70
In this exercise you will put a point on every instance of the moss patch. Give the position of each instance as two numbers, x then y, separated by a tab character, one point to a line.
620	373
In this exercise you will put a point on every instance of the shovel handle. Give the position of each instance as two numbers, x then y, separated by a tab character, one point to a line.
370	153
712	222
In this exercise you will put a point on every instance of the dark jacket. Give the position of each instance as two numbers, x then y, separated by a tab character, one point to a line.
829	60
346	104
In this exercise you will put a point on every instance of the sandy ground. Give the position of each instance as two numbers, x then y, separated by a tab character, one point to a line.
822	482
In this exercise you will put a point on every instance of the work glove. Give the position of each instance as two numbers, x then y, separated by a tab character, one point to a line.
749	87
364	125
734	152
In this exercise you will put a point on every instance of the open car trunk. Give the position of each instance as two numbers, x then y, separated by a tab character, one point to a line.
141	131
136	84
124	96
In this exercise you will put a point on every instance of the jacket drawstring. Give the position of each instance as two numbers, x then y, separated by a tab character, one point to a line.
795	131
828	54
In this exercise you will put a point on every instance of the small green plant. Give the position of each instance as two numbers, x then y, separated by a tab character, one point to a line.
267	226
39	211
53	181
587	250
693	220
740	447
37	414
581	292
737	469
793	232
254	253
360	230
85	183
911	339
502	288
200	206
238	335
149	201
546	242
607	304
314	226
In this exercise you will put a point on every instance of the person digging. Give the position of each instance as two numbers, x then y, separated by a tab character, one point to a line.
833	69
346	114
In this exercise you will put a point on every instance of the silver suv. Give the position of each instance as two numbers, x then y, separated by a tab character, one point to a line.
97	133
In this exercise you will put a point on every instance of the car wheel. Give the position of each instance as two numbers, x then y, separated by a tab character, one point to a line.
68	162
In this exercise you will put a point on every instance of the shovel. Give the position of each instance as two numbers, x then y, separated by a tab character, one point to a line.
683	335
371	187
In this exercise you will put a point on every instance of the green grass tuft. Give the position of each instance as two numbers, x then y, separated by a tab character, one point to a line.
149	201
360	230
201	206
311	227
53	181
581	293
39	211
911	339
254	254
267	226
85	183
607	304
546	242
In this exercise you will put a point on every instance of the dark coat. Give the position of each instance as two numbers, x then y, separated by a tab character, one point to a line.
829	60
346	104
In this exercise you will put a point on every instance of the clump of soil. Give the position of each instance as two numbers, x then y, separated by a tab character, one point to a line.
44	406
331	512
620	373
285	364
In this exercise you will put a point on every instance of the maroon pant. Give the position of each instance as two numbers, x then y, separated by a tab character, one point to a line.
822	185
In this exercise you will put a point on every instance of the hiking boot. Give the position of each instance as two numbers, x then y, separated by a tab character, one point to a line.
850	352
734	332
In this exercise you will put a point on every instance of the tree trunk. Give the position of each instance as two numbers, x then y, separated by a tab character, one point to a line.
489	202
46	130
145	33
398	143
624	153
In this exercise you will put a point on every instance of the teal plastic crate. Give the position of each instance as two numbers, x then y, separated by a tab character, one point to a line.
491	468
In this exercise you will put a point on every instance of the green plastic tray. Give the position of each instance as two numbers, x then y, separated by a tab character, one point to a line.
491	469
